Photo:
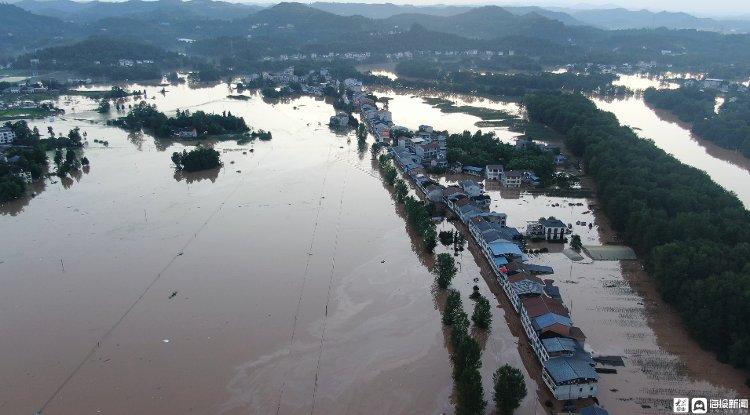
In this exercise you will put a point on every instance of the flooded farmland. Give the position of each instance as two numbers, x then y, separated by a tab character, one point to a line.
299	288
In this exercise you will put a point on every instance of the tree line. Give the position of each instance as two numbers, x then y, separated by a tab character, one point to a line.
729	128
148	117
30	155
691	232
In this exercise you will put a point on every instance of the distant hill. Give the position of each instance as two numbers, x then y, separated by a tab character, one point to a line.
303	23
620	18
162	10
491	22
386	10
565	18
22	30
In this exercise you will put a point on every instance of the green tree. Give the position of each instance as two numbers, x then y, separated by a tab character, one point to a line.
510	389
445	270
452	305
103	107
401	190
482	315
58	158
575	242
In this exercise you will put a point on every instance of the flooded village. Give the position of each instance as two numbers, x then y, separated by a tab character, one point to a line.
293	267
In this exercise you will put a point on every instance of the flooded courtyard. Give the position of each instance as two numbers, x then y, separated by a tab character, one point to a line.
286	282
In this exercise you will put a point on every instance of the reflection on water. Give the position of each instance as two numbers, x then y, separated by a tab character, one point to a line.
640	82
192	177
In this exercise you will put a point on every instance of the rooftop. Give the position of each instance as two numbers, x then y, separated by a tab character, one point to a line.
554	223
504	248
566	369
543	305
559	344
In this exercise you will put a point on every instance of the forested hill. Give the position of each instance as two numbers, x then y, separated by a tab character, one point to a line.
22	30
490	22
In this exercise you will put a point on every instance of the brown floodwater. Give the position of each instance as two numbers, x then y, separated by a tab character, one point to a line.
299	287
285	282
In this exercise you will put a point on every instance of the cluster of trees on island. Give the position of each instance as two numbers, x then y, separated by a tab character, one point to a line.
691	231
729	128
201	158
30	155
145	116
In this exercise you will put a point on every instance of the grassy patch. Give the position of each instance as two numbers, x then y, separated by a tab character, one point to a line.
486	114
16	113
535	131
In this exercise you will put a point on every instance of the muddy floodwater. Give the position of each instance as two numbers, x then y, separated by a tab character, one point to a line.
285	282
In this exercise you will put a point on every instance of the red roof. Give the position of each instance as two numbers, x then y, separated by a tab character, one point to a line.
537	306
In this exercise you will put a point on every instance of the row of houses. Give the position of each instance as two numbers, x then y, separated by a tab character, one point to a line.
26	88
568	370
312	83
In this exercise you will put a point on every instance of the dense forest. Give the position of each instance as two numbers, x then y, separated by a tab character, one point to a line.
107	57
730	128
148	117
687	103
690	231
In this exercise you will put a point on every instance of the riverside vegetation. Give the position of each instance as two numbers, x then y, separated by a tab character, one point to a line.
690	231
729	128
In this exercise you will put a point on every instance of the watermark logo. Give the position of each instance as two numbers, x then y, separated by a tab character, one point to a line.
681	406
699	405
709	406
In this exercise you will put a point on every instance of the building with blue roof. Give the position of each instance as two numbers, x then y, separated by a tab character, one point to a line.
550	319
553	229
571	377
560	346
505	248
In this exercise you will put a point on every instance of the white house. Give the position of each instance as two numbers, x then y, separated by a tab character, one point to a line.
553	229
472	188
511	178
7	135
493	171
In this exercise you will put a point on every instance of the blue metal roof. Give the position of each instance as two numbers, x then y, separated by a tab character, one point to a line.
503	248
546	320
501	260
569	368
559	344
555	223
594	410
539	269
552	291
472	168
